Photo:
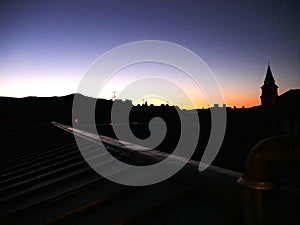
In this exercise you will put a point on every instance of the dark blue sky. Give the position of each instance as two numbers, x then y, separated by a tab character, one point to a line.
46	46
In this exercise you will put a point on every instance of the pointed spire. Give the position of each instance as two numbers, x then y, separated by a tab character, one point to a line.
269	75
269	80
269	93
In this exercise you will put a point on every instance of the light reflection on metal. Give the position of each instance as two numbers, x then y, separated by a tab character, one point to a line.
262	177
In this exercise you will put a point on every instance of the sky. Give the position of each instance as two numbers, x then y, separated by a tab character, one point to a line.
46	47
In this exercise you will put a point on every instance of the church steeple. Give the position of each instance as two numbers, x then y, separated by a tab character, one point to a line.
269	93
269	80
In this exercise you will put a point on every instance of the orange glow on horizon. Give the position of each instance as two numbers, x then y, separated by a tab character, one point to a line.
238	103
247	103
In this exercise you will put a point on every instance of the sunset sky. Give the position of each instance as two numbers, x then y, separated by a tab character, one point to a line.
47	46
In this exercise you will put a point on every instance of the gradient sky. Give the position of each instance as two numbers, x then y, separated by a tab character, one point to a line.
46	46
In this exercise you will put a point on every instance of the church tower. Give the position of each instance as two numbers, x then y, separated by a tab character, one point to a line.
269	92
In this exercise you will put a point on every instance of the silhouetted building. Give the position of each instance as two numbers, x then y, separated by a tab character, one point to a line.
269	93
287	112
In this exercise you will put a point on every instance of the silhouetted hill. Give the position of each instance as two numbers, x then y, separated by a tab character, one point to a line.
245	126
16	113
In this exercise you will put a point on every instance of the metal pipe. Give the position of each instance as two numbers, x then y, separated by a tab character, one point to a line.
264	166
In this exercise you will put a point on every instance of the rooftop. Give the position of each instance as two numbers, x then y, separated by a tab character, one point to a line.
47	181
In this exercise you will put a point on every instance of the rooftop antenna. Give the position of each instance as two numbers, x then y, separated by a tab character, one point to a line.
114	96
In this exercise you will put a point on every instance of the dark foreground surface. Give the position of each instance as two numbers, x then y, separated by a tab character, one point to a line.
46	181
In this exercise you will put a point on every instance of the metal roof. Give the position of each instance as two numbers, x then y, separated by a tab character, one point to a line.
50	183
